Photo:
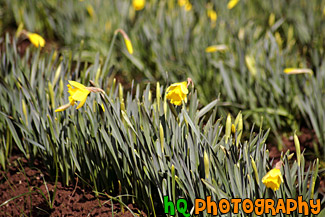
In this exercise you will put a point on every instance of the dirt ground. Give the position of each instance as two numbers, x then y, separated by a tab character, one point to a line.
69	201
306	139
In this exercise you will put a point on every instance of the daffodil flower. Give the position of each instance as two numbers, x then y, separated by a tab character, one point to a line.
212	15
186	4
127	40
297	71
128	45
138	5
232	4
182	2
90	10
78	92
177	92
35	39
273	178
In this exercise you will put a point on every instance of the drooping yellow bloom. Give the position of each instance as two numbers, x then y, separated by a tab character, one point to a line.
187	5
232	4
128	45
78	92
138	5
36	40
127	40
177	93
297	71
273	179
90	10
182	2
215	48
212	15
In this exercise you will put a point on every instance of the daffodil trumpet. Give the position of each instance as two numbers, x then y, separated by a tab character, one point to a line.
78	92
177	92
273	178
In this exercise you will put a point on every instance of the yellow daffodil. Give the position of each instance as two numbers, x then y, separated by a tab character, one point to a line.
35	39
127	40
212	15
186	3
177	93
182	2
297	71
215	48
90	10
273	178
138	5
232	4
128	45
188	6
78	92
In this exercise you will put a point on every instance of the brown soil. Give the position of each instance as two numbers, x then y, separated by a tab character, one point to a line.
306	139
69	201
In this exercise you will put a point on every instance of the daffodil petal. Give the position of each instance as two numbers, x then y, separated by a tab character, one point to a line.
170	88
80	95
184	87
77	85
82	103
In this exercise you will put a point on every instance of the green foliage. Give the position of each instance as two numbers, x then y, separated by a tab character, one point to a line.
312	104
138	144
